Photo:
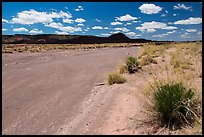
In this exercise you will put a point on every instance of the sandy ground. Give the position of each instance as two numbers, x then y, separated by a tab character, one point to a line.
55	92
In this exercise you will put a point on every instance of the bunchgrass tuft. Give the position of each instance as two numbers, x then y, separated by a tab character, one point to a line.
115	78
123	69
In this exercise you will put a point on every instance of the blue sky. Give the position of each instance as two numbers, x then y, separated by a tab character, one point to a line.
175	21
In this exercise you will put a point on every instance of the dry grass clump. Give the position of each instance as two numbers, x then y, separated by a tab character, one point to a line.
146	60
123	69
116	78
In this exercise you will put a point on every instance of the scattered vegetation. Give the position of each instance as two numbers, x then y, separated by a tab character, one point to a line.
115	78
153	50
176	101
173	103
147	60
13	48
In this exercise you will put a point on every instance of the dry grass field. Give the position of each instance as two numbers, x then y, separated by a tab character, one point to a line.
14	48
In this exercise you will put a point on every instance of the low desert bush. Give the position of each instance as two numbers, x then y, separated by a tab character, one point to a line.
175	104
132	64
115	78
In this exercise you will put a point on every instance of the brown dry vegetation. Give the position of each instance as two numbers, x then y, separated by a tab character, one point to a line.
14	48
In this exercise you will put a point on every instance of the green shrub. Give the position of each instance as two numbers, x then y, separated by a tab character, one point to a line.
175	104
115	78
132	64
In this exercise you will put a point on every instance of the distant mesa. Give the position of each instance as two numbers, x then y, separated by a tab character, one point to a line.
67	39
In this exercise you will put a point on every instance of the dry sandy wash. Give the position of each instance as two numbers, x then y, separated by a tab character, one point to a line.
56	92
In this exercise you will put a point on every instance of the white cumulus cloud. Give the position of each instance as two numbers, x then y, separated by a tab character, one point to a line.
130	34
97	27
191	20
61	33
163	15
128	23
105	34
186	35
59	26
20	29
151	26
160	35
171	32
3	29
169	27
70	29
191	30
68	21
122	29
97	20
36	31
150	9
80	8
126	17
151	30
4	20
32	17
80	24
182	6
116	23
54	25
80	20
